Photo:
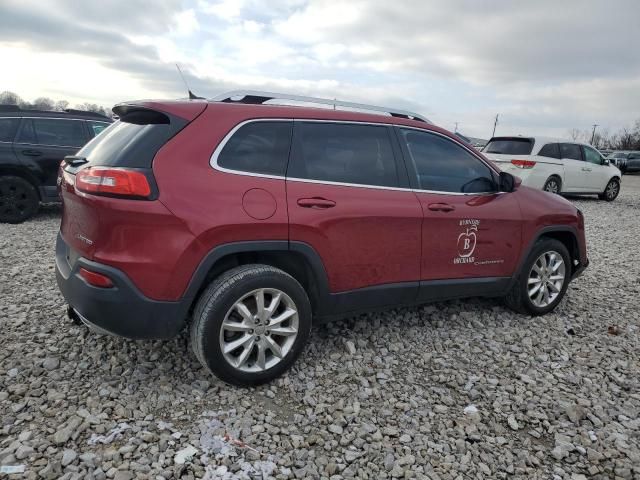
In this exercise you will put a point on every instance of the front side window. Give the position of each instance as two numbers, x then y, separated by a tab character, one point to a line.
8	127
53	132
570	151
343	153
591	156
551	150
443	166
258	147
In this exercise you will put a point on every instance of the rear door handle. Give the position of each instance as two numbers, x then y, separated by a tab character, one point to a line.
441	207
585	169
316	202
32	153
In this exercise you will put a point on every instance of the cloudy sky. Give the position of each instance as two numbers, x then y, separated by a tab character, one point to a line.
545	66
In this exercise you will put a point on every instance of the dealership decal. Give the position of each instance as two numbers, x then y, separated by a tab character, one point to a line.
467	241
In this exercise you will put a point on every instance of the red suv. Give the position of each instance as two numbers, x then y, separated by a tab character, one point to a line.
247	220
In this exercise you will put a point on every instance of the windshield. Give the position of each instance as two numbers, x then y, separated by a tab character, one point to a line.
509	146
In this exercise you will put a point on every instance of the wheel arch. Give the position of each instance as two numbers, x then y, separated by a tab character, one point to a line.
297	259
565	234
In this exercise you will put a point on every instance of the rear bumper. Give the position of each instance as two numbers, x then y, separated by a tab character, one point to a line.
120	310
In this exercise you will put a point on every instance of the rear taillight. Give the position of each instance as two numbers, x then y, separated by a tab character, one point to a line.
120	182
523	163
95	279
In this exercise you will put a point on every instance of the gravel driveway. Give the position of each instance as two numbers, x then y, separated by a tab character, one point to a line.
454	390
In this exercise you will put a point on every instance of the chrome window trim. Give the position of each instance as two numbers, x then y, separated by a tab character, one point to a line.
213	161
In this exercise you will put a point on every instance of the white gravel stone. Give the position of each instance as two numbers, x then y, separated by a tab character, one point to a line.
382	395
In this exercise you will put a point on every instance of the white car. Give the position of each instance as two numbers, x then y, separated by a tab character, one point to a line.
556	165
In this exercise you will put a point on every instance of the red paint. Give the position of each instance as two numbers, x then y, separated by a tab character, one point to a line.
364	236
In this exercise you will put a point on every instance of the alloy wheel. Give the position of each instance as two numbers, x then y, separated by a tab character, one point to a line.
259	330
552	186
612	189
546	279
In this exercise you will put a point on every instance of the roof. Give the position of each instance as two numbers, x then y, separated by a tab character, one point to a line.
16	111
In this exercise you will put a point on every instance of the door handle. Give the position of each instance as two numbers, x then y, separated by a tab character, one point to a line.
441	207
32	153
316	202
585	169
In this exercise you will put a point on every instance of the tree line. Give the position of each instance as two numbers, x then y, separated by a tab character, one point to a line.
627	138
46	103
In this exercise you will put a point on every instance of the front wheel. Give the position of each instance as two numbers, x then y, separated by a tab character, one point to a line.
251	324
611	192
552	185
543	280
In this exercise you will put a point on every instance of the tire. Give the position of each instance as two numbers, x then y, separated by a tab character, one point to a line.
19	199
219	304
520	300
611	191
553	185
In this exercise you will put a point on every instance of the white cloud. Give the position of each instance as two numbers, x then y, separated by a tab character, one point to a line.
186	22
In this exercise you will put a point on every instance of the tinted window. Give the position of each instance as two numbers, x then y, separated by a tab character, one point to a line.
570	150
551	150
49	131
258	147
27	133
8	127
444	166
509	146
345	153
96	127
591	156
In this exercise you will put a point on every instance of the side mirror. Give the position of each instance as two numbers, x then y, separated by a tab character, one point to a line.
606	161
508	183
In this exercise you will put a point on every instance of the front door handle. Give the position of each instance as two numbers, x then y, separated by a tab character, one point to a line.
316	202
32	153
585	169
441	207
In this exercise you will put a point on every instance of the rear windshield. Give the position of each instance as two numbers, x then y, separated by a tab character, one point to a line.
125	144
509	146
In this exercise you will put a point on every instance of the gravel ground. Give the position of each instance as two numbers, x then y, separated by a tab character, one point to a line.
454	390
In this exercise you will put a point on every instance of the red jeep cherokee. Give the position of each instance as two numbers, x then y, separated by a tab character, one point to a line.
247	220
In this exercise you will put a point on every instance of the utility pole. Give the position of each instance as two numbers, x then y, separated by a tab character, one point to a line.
495	124
456	130
593	133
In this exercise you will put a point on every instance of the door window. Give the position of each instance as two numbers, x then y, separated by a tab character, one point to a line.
258	147
344	153
443	166
570	151
53	132
8	127
591	156
551	150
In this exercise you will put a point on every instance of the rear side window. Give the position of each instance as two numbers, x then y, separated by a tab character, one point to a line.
258	147
444	166
570	151
509	146
8	127
551	150
343	153
96	127
53	132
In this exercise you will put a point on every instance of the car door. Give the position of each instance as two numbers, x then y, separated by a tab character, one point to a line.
349	200
597	175
8	129
42	144
470	232
574	168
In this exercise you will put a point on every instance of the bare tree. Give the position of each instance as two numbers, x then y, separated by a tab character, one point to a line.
43	103
9	98
575	134
61	105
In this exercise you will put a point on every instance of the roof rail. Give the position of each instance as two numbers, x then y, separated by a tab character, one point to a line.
256	97
9	108
87	113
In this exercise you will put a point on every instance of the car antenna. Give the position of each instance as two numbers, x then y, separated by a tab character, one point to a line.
192	96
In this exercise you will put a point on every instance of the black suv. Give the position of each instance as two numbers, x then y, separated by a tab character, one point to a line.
32	145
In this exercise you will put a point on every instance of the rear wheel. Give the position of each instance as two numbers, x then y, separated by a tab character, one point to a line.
553	185
543	280
250	324
18	199
611	192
